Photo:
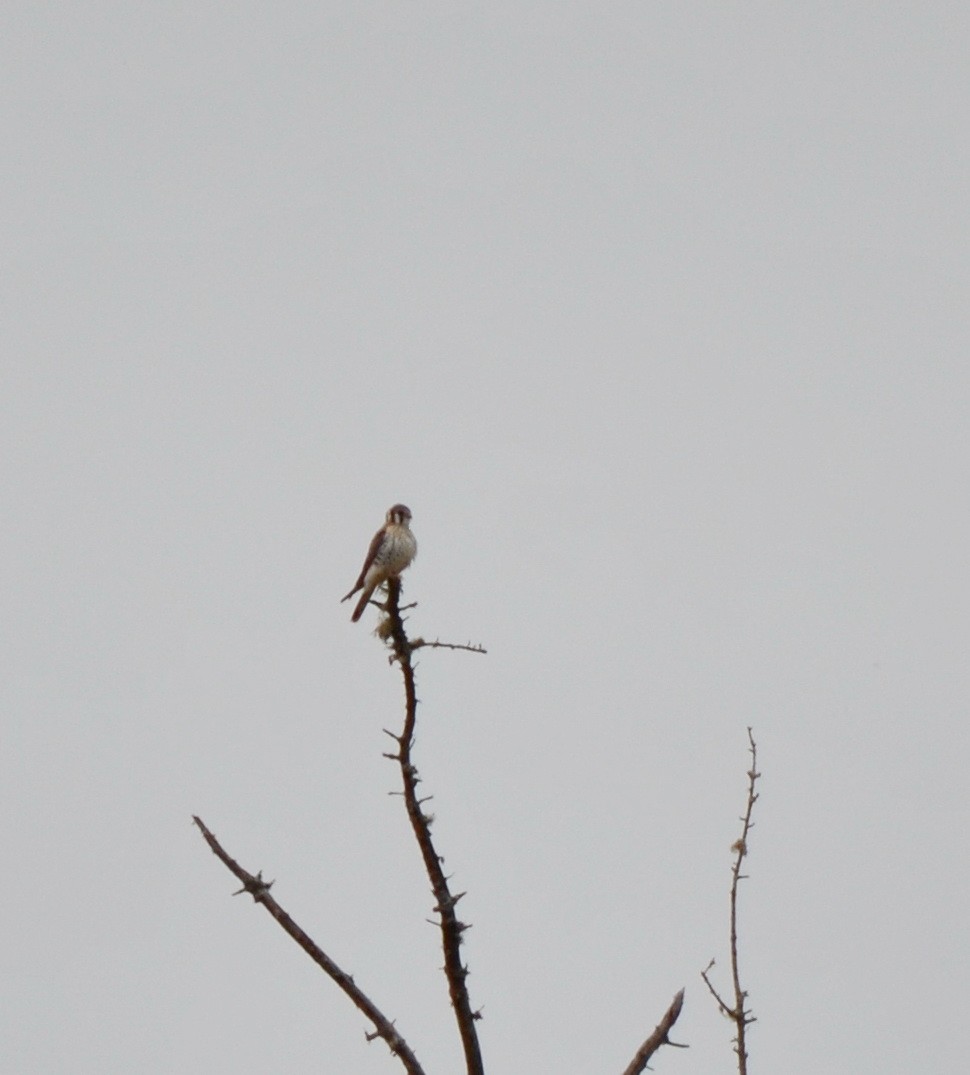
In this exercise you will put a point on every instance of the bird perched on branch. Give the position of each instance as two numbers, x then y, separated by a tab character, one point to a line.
393	547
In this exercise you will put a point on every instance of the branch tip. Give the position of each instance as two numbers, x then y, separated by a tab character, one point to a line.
659	1037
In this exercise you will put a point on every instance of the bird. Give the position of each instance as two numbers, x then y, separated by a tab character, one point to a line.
391	550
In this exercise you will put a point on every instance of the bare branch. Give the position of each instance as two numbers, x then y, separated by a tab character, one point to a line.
259	890
418	643
657	1038
392	631
721	1003
738	1012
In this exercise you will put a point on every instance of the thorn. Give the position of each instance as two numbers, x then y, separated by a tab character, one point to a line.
256	887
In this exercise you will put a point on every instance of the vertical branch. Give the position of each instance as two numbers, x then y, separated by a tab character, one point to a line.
738	1012
451	926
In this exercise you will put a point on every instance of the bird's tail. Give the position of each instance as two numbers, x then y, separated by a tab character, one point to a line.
361	605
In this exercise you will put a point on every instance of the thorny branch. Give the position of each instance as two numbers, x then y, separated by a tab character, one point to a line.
392	631
468	647
737	1012
657	1038
451	926
259	890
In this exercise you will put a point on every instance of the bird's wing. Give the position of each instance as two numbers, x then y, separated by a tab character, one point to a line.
376	541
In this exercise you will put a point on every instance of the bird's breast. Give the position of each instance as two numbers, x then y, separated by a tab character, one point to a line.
398	551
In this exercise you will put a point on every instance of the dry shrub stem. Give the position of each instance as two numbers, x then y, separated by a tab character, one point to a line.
259	890
393	633
451	926
738	1012
657	1038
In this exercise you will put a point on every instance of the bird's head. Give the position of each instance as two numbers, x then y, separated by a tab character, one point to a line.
399	515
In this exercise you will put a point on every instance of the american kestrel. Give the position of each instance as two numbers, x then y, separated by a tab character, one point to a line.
393	547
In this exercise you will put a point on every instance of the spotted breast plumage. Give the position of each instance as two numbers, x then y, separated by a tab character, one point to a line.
391	550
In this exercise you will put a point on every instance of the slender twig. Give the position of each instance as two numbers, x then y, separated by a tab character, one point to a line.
259	890
726	1008
738	1012
451	926
468	647
657	1038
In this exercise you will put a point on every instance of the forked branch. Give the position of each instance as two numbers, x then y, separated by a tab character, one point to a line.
738	1012
259	890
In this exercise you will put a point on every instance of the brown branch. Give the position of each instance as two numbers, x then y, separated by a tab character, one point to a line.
468	647
738	1012
259	890
657	1038
452	928
726	1009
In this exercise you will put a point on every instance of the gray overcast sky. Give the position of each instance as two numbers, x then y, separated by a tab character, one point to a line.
656	316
